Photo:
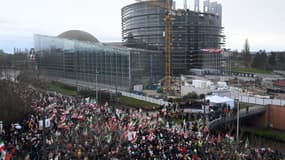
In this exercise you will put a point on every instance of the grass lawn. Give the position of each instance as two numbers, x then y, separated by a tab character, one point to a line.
136	103
251	70
267	133
244	105
61	90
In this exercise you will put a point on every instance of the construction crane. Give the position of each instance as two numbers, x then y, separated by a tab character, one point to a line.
166	5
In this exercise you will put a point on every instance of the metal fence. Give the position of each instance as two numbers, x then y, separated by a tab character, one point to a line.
260	101
242	98
144	98
243	113
236	93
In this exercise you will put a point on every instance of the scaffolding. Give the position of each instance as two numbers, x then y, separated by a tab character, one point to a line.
110	67
143	26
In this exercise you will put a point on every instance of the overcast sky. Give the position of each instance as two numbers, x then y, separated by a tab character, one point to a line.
261	21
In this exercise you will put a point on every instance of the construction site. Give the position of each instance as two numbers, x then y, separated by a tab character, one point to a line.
166	91
192	37
159	43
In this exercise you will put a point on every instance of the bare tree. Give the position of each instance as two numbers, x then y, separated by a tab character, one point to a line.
246	54
15	100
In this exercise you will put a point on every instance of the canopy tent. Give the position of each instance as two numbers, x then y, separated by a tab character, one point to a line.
214	99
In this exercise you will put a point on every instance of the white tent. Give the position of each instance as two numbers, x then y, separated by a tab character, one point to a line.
214	99
230	102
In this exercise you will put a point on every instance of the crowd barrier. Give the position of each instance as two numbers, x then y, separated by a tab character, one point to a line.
144	98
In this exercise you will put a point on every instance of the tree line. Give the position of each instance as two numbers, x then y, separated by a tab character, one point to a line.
261	59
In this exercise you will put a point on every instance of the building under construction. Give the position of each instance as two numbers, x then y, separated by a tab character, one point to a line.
77	57
196	36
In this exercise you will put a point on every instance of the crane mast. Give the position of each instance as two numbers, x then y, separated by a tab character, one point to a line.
168	39
168	47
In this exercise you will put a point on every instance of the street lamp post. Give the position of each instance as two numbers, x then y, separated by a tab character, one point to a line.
116	77
1	127
44	132
237	136
204	120
96	83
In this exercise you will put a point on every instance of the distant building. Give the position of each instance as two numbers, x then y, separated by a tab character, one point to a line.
280	84
193	32
77	57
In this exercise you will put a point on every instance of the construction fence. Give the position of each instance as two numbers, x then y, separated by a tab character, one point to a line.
261	101
144	98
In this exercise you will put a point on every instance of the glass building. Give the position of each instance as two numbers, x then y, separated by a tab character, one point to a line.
86	63
143	26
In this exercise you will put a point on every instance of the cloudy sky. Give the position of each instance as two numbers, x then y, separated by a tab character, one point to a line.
261	21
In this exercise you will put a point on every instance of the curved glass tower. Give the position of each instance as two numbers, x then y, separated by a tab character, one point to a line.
143	26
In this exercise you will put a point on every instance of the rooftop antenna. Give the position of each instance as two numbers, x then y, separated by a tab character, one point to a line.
174	5
185	4
197	6
206	6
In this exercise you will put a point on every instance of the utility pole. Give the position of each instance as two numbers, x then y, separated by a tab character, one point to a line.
237	138
1	127
77	71
204	114
116	78
96	85
44	133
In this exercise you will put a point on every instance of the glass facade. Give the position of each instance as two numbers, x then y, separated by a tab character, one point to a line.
143	26
79	61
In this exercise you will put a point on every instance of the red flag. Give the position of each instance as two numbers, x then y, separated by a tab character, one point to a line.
141	125
124	136
194	157
205	130
114	127
8	156
213	140
134	137
106	105
219	138
62	118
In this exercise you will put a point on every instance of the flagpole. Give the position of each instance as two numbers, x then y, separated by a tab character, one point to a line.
237	138
1	127
96	85
44	133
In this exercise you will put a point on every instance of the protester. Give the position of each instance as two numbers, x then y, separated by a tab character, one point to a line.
63	127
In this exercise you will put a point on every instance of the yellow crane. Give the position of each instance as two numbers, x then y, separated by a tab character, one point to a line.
166	5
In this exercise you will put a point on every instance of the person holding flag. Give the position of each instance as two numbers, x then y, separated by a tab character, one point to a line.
2	146
2	151
246	145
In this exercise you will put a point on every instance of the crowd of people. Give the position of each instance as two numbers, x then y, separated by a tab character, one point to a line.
63	127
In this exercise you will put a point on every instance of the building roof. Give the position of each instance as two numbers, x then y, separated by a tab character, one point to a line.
280	83
114	44
78	35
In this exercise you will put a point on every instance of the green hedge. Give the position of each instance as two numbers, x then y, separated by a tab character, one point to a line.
267	133
244	105
251	70
61	88
136	103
